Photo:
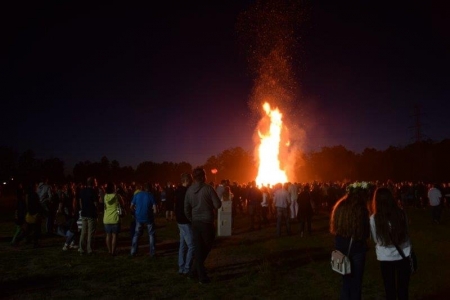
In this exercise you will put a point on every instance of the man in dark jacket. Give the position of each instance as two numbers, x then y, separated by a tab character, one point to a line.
186	249
200	201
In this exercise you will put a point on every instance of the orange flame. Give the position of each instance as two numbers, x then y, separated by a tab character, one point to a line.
269	171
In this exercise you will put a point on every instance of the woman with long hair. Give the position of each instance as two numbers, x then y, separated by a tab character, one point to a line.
350	225
111	218
390	232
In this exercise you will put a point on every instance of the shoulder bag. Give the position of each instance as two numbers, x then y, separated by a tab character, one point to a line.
341	263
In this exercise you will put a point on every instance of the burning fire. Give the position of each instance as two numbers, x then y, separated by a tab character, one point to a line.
269	171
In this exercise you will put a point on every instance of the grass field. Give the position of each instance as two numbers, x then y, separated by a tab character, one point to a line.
247	265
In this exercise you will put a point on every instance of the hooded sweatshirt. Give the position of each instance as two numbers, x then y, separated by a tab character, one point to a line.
200	201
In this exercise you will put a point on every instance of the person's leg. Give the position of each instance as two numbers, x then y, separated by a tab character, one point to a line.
182	249
302	226
191	249
134	242
358	262
251	214
388	275
113	243
288	223
151	238
403	276
308	224
84	228
207	236
108	242
198	248
91	232
279	216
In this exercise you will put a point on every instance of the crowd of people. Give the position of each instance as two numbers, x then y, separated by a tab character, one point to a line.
73	211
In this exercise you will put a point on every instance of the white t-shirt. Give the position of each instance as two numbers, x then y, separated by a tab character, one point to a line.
435	196
387	253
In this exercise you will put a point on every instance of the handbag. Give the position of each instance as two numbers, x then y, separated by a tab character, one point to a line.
341	263
120	211
412	258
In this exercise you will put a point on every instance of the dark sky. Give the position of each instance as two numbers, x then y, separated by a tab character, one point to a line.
170	82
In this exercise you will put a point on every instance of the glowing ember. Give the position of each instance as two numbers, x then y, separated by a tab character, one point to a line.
269	171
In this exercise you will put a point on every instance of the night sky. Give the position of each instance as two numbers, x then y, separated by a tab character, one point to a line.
171	82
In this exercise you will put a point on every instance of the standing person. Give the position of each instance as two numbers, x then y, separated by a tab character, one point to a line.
265	205
254	200
170	201
44	191
33	218
200	202
88	204
349	224
19	216
144	206
111	219
281	201
305	210
390	230
435	197
293	209
186	249
220	189
68	207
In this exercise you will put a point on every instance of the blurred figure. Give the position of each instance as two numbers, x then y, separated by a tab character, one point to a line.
435	197
32	230
281	201
170	201
44	192
19	215
254	200
293	192
305	210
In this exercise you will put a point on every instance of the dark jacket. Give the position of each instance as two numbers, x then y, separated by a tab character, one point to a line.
180	194
200	201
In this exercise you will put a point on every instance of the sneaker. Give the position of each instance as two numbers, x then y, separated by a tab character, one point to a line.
65	248
73	246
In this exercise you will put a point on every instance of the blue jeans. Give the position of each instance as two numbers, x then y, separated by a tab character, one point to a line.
352	283
138	232
186	250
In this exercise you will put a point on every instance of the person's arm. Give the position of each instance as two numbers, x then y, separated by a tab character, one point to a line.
187	208
215	199
154	209
133	203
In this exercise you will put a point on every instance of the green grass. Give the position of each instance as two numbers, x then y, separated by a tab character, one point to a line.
247	265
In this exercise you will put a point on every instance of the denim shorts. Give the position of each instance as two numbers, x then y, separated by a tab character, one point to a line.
112	228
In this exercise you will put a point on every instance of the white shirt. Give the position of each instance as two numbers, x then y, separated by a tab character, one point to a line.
387	253
435	196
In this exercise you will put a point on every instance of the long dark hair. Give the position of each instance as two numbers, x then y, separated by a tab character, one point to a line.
349	217
390	219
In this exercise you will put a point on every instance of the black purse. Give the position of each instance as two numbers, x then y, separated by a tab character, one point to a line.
412	258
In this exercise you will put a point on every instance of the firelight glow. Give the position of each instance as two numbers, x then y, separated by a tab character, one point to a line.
269	171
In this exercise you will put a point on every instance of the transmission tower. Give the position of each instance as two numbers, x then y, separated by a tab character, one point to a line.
418	125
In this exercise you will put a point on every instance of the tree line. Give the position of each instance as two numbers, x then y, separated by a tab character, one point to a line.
422	161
